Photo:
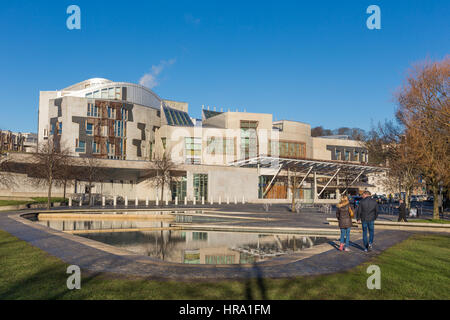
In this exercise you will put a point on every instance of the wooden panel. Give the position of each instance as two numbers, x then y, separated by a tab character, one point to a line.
277	192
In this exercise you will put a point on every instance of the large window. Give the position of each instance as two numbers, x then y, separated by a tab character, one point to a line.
200	186
179	189
287	149
249	139
219	145
192	150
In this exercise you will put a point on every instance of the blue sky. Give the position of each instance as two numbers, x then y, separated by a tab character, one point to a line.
310	61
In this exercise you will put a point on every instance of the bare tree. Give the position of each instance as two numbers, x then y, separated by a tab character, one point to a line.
46	164
66	174
6	179
390	147
91	171
424	110
164	166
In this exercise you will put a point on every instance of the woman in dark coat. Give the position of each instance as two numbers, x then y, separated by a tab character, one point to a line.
344	215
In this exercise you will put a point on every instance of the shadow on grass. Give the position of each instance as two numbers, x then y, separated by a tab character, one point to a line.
255	275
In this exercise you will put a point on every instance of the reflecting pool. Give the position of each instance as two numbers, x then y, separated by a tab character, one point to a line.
158	239
206	247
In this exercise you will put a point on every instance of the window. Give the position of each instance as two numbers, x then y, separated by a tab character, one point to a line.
110	149
111	112
347	155
92	110
356	155
111	94
124	114
219	145
95	147
338	154
118	93
118	128
177	117
202	236
89	129
287	149
200	186
80	146
192	150
249	140
104	93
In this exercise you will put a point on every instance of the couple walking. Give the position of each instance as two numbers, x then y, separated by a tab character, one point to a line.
367	212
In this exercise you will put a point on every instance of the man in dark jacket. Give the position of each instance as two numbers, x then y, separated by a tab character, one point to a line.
367	213
402	211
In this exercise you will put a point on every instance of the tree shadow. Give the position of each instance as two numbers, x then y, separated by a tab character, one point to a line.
255	275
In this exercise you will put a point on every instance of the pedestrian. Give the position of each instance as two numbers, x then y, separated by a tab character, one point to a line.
367	213
402	211
344	214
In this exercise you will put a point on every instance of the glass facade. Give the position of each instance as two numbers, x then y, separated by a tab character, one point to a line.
200	186
178	189
249	139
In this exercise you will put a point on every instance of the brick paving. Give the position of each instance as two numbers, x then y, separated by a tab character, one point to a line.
329	260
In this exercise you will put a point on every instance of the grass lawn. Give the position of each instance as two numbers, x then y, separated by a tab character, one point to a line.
35	200
12	202
431	220
418	268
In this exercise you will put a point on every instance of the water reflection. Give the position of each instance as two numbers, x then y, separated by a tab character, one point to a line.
193	247
155	238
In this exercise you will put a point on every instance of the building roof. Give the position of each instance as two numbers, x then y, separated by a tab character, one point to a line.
209	114
176	117
320	166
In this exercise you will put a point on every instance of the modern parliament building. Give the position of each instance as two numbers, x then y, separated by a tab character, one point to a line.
224	156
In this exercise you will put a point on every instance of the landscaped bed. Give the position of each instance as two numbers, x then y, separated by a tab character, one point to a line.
417	268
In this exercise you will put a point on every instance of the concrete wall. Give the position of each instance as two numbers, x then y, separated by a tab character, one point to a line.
43	117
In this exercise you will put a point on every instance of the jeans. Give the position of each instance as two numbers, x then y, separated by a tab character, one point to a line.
368	225
345	234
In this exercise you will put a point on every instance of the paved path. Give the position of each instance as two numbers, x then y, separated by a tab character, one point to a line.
69	249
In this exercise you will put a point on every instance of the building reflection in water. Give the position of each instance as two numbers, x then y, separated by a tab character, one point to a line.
188	246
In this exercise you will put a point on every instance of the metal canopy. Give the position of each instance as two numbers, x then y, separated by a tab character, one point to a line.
318	166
